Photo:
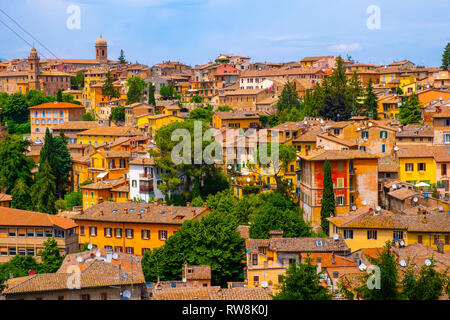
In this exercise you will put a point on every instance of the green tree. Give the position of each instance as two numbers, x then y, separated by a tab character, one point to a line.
289	98
355	92
328	199
118	113
197	202
21	196
371	102
335	107
302	282
193	244
196	98
51	259
168	92
201	114
14	165
56	153
277	213
18	266
446	57
59	96
151	94
389	278
73	199
275	157
224	109
88	116
108	89
136	87
16	109
428	284
44	190
213	183
410	110
122	59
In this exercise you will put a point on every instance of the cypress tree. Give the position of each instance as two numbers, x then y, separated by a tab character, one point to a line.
21	196
151	94
122	57
43	191
59	96
446	57
410	111
328	201
370	102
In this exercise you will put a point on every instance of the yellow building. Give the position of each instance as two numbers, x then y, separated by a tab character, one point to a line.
235	120
49	115
150	124
97	98
267	259
111	164
91	78
24	233
100	135
416	164
132	227
371	228
389	107
77	94
102	191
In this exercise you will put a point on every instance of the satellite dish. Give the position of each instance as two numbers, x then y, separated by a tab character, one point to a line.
306	122
264	284
336	236
98	254
321	121
378	208
428	262
248	179
353	208
403	263
126	295
396	148
358	129
370	124
89	246
394	186
440	208
115	256
362	267
399	129
229	167
415	199
402	243
326	148
364	202
79	259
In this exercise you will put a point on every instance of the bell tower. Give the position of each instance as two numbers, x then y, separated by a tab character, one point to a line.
33	70
101	50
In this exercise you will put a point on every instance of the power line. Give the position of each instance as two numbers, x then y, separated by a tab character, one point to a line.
20	36
23	29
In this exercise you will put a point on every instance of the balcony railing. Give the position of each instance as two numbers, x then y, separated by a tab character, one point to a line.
146	176
146	189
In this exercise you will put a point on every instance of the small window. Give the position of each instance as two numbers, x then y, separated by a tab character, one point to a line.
422	166
372	235
335	274
254	259
162	235
419	239
348	234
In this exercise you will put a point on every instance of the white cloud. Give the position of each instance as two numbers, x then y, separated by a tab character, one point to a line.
344	47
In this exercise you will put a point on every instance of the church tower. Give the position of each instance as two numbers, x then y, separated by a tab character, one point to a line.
101	50
33	70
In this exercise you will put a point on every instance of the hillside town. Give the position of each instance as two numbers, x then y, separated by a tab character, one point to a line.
323	169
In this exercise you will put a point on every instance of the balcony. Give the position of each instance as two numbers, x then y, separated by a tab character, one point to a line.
146	176
146	189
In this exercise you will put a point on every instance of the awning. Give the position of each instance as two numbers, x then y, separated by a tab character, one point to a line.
422	184
102	175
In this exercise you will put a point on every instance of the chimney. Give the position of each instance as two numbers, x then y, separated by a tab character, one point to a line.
100	200
275	234
333	258
188	204
101	212
125	211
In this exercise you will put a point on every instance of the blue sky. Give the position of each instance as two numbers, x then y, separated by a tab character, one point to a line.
196	31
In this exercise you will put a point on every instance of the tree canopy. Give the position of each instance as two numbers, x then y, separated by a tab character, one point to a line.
136	86
410	110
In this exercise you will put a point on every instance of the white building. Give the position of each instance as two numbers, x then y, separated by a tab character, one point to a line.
145	177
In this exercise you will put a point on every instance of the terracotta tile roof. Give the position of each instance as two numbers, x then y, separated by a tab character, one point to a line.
211	293
5	197
441	154
414	151
95	272
111	131
289	126
76	125
228	115
346	143
418	253
321	155
402	194
298	245
326	260
123	188
241	92
435	222
305	137
372	252
416	131
57	105
143	160
317	58
104	184
16	217
140	213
